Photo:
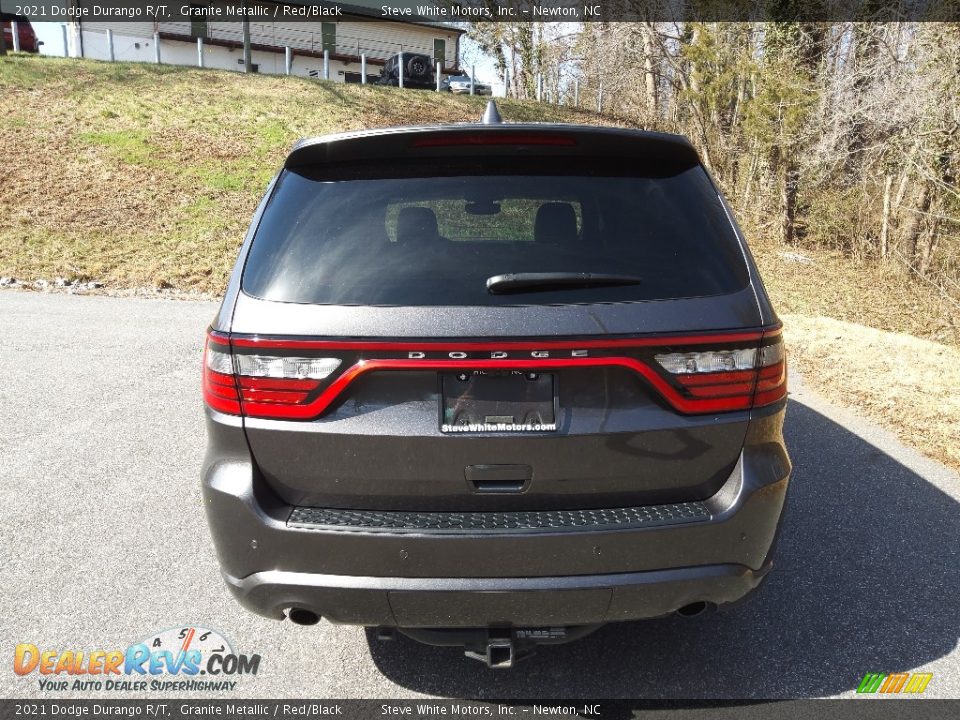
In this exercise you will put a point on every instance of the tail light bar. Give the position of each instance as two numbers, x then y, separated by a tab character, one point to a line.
299	379
493	138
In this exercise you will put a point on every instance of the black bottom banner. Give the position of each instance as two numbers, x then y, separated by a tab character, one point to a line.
173	709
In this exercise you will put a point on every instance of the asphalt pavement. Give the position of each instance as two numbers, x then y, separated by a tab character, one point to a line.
105	543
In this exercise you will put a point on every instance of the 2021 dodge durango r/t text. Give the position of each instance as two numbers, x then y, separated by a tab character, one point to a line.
493	386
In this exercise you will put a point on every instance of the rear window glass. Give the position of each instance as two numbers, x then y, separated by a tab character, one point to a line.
435	236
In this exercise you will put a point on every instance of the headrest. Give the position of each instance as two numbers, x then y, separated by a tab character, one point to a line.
556	224
416	225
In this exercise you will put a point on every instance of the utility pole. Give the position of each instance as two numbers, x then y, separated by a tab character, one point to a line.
247	55
3	44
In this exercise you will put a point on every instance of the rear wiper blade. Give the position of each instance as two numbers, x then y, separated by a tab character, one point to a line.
534	282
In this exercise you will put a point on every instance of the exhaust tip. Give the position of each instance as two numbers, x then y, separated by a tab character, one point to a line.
301	616
694	609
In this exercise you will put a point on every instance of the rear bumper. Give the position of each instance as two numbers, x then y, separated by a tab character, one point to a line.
480	602
468	578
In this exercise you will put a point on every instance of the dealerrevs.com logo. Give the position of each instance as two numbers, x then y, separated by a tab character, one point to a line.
183	659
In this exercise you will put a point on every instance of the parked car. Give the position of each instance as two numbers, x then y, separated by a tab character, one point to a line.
493	386
28	39
460	84
418	71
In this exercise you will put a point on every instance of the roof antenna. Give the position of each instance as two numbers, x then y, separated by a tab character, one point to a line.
491	116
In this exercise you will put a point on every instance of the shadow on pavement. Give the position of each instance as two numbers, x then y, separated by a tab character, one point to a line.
864	580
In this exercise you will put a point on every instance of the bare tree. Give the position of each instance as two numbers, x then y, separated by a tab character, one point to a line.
841	134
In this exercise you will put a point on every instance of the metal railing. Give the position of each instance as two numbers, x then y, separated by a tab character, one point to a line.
344	45
293	40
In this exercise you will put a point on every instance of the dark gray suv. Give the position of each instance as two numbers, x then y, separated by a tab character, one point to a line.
494	385
415	69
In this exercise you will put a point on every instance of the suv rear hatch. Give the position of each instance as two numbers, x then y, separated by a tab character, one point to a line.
495	318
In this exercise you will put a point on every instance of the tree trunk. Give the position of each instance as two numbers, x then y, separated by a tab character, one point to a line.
650	78
528	71
753	177
885	220
928	248
791	182
915	222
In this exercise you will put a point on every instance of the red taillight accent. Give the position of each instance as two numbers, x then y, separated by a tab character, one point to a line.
771	385
721	388
717	378
254	397
306	399
494	138
219	389
252	383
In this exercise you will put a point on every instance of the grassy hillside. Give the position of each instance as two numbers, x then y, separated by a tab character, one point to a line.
144	175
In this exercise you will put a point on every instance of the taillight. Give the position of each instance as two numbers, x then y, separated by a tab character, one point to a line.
277	385
219	382
259	384
771	374
300	378
734	379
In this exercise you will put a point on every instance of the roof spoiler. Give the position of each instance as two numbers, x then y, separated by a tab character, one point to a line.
388	144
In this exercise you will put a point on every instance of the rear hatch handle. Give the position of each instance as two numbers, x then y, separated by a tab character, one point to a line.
498	478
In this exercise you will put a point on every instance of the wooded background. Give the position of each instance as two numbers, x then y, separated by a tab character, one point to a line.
842	135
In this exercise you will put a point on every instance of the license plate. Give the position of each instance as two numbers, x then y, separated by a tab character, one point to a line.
485	402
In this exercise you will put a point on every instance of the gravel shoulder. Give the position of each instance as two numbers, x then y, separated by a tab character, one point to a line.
908	384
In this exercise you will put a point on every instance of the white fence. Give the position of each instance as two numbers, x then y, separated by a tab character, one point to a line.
221	48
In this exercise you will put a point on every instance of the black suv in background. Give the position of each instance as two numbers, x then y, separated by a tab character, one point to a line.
494	385
418	71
